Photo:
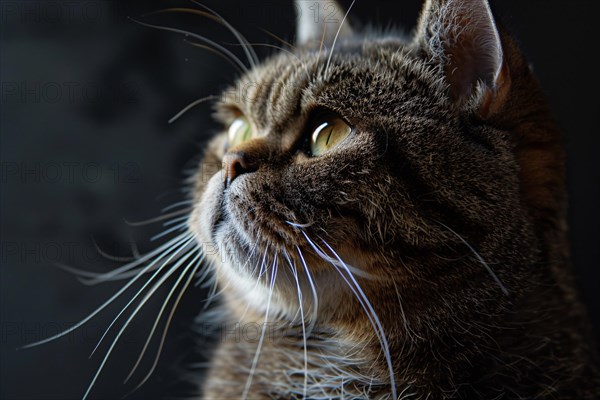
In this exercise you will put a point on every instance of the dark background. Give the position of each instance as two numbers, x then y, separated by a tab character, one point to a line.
86	96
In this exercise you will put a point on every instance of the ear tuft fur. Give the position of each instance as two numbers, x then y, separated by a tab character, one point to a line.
462	35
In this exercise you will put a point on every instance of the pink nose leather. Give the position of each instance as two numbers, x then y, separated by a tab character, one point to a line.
236	164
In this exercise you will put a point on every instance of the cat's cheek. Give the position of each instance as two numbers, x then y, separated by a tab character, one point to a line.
206	213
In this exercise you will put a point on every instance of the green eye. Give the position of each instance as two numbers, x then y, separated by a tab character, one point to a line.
329	133
240	130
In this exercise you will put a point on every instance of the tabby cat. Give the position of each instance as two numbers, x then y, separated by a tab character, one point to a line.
390	215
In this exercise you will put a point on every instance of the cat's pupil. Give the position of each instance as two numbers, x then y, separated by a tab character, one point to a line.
329	134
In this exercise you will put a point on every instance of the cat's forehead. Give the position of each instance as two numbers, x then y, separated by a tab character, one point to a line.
355	81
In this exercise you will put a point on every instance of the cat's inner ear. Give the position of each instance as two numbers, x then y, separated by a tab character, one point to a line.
462	34
319	22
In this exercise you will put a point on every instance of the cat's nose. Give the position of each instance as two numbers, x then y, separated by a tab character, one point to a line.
236	164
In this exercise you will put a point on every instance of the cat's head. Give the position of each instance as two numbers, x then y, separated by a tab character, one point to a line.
416	172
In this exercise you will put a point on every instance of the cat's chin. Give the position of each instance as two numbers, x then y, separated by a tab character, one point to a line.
222	241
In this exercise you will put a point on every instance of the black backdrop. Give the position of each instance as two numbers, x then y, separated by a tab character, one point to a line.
86	96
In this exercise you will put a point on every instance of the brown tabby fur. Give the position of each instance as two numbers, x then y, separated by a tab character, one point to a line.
427	170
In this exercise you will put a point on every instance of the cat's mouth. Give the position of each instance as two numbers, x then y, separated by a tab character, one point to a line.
244	226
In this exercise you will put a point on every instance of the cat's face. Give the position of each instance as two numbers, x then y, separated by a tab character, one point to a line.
370	164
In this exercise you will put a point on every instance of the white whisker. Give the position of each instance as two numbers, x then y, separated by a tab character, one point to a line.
262	332
336	36
479	258
301	307
297	225
365	304
262	267
132	316
102	307
250	53
196	36
166	232
174	220
127	270
178	204
223	56
181	249
329	259
156	219
302	63
168	323
110	256
381	333
315	305
193	264
190	106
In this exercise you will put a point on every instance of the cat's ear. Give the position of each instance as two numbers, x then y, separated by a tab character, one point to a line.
463	36
319	21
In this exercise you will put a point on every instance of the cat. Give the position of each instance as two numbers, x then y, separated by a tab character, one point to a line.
388	214
382	217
